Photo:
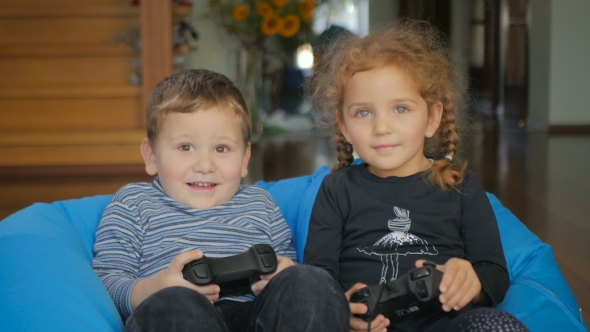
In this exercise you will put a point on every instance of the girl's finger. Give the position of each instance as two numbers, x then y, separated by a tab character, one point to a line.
358	308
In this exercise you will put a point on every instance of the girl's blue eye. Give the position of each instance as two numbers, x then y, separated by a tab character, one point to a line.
401	109
185	147
222	149
363	113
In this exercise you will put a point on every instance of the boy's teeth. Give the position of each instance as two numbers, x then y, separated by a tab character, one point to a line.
200	184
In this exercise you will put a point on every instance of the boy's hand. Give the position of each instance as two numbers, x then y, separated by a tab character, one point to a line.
282	263
380	323
459	285
169	277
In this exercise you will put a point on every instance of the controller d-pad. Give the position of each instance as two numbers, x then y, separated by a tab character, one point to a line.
419	273
422	289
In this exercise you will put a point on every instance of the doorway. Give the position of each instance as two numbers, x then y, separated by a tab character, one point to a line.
498	64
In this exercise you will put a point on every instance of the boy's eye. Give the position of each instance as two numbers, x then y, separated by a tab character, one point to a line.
185	147
221	149
363	113
401	109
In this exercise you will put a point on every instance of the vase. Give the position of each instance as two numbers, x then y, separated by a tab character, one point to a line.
250	83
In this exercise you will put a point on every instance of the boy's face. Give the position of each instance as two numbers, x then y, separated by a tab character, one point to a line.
200	157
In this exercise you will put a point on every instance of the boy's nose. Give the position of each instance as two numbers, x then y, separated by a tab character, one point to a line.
204	163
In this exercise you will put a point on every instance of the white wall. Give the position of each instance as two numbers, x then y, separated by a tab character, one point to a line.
217	51
459	37
382	14
570	66
539	62
559	66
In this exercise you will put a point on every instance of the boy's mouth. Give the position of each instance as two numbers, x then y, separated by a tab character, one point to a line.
202	184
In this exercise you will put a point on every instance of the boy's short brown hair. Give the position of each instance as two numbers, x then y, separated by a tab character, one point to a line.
190	90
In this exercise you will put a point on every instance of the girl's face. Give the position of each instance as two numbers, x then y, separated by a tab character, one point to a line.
386	120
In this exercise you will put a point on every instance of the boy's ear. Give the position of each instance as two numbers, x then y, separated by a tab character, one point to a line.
434	118
246	159
149	157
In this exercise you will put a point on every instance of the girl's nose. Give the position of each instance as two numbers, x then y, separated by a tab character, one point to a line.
382	125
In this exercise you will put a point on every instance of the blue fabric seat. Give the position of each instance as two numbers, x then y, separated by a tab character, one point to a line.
47	282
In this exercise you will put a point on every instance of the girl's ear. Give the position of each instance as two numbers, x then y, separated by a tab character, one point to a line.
149	157
434	117
342	126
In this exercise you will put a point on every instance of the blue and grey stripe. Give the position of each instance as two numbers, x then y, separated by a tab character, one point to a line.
143	229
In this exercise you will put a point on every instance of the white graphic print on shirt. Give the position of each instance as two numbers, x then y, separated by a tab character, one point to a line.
399	242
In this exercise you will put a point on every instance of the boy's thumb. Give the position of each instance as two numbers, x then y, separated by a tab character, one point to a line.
187	257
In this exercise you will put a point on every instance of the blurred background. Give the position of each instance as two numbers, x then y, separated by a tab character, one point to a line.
75	75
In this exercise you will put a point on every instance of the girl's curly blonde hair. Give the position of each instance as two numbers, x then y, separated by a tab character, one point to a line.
419	49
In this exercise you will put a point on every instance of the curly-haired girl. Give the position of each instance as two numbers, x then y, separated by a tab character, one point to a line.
393	98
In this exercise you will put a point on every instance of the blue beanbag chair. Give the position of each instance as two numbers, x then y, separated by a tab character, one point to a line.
47	282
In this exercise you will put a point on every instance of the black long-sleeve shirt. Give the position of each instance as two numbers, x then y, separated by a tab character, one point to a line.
369	229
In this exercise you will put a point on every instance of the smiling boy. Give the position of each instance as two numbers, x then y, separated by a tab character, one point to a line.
198	147
202	157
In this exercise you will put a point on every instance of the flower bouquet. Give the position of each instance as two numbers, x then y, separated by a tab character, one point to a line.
251	22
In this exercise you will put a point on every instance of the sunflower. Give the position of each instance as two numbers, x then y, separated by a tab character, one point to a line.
280	3
306	9
291	25
241	12
265	9
271	25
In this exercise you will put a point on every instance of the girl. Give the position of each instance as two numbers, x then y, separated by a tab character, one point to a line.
391	97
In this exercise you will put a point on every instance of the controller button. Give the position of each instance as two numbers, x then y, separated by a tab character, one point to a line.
392	287
263	249
366	293
367	315
201	271
267	261
420	273
422	289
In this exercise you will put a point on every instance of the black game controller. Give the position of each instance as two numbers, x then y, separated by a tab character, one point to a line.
233	274
415	292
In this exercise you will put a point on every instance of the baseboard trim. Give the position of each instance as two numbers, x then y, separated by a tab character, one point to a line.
568	129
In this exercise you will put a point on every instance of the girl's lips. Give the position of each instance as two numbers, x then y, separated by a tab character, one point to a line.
385	147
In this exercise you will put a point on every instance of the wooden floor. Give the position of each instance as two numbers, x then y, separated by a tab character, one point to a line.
544	180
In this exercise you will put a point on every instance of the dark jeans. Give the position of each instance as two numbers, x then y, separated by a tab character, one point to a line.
300	298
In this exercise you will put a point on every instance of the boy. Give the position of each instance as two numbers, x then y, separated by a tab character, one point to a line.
198	146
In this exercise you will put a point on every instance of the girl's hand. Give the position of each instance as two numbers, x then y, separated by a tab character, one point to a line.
380	323
459	285
282	263
169	277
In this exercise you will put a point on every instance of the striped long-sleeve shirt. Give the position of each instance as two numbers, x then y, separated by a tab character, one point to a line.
143	229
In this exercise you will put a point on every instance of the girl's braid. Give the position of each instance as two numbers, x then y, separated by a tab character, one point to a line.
344	149
448	172
449	134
